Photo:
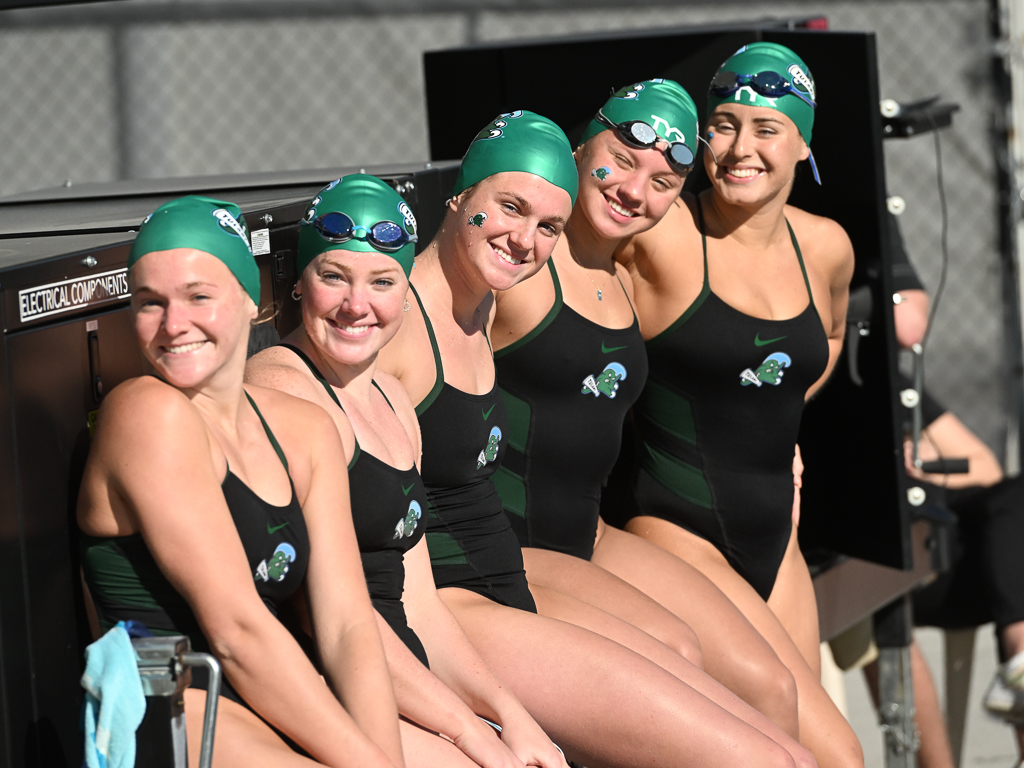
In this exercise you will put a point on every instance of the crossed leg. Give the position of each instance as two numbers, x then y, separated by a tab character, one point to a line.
607	705
823	729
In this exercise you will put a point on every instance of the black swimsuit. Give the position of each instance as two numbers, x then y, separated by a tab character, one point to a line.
126	583
387	506
567	386
471	543
717	425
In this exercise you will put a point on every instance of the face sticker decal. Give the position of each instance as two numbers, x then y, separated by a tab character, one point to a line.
601	173
490	451
407	526
478	220
276	567
606	382
768	372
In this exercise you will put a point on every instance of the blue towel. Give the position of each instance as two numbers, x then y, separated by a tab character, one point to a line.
114	702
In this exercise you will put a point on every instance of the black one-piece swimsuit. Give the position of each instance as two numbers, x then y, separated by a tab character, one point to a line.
387	510
471	543
126	583
717	425
567	386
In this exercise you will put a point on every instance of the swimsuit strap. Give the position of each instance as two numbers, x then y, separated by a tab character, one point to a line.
266	428
439	380
800	258
548	318
384	396
316	373
330	391
703	241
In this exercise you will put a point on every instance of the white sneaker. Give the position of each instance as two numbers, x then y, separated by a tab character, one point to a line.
1005	695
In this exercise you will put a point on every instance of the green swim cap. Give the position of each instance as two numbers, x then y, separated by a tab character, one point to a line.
520	141
663	104
772	57
366	201
205	224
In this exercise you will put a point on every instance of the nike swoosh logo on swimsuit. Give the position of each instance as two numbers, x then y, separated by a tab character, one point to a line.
759	343
405	491
275	528
487	413
605	350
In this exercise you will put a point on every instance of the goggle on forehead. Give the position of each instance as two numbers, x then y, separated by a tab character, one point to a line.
385	236
770	84
641	135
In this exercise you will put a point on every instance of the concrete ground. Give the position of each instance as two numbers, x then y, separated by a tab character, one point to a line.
988	743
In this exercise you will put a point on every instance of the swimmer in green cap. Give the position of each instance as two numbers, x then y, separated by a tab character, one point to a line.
355	255
211	502
632	161
512	200
727	282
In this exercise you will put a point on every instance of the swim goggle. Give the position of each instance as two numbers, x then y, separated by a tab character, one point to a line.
385	236
641	135
770	84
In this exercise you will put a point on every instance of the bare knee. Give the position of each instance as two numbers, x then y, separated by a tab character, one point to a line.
685	642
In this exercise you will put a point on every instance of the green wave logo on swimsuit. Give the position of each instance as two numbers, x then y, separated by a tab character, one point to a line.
768	372
606	382
407	525
490	451
276	567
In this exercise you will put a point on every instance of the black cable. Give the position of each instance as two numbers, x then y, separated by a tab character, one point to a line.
943	241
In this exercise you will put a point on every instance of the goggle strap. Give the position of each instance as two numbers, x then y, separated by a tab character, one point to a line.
706	144
814	166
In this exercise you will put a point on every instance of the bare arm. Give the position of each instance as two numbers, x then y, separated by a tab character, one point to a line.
454	660
948	437
161	475
343	621
839	263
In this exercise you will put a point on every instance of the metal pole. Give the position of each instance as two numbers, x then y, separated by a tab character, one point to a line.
212	696
893	633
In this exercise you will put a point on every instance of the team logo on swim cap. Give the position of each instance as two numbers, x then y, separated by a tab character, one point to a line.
410	219
605	383
768	372
497	128
800	78
632	93
231	225
311	213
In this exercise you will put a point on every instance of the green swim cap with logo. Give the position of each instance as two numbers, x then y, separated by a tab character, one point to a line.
520	141
772	57
205	224
663	104
367	201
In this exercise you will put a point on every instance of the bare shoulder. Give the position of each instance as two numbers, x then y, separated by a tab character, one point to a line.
662	238
279	368
399	399
144	414
823	242
299	414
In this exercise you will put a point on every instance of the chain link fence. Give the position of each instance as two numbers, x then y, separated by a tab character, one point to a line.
141	89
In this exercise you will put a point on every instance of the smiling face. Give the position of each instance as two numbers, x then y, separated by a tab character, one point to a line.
757	149
635	192
524	215
352	303
192	316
